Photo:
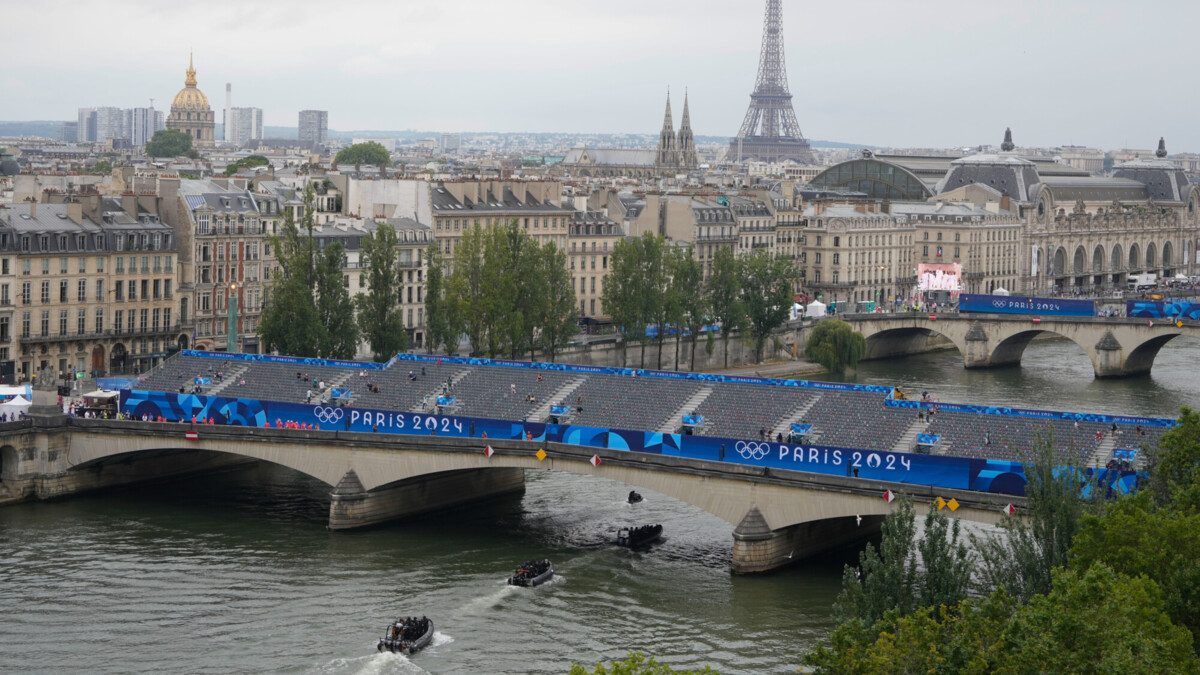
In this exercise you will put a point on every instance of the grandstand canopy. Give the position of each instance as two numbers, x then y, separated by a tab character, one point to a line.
875	178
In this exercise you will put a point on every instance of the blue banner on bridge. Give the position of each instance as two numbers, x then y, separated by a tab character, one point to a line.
294	360
1169	309
931	470
1013	304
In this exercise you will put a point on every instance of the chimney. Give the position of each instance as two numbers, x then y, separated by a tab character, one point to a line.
129	204
75	211
1005	202
33	209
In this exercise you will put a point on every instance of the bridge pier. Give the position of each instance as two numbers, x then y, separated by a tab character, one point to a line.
351	505
757	548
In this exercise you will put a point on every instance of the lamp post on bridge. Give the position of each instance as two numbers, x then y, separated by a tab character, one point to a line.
232	332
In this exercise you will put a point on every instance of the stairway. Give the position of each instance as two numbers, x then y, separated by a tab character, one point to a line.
908	440
1103	452
329	386
675	420
228	380
785	426
560	397
431	397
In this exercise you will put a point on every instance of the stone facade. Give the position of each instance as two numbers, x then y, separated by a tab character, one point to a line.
191	113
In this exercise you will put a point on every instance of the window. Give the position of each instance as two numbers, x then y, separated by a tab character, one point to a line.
62	291
4	266
118	325
157	289
25	266
145	318
154	325
24	324
82	264
62	322
119	290
45	292
132	290
837	241
99	290
81	324
83	290
4	299
25	293
4	335
99	265
167	267
167	289
120	265
132	318
45	323
99	319
145	288
837	258
45	266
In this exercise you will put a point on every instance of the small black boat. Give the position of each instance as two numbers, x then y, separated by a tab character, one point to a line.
634	497
635	537
407	635
532	573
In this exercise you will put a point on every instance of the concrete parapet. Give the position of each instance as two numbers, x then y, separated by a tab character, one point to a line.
351	506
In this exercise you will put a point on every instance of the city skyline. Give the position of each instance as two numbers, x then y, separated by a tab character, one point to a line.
885	75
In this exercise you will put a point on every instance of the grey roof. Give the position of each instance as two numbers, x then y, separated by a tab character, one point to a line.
1068	189
444	200
406	224
1006	172
1163	180
611	157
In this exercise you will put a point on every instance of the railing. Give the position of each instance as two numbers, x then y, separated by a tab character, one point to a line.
112	332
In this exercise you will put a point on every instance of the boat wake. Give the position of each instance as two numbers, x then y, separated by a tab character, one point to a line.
373	664
439	639
488	601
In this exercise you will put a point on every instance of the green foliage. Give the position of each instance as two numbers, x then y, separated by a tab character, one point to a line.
637	664
725	294
1137	539
689	301
906	573
835	345
308	310
102	167
1024	560
363	153
1175	465
246	163
379	314
623	292
169	143
441	319
506	293
766	295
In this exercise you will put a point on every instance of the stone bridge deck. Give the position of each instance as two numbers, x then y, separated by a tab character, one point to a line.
778	515
1117	347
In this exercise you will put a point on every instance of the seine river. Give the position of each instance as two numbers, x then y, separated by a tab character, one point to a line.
235	571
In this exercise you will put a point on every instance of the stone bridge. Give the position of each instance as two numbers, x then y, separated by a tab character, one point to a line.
1118	347
777	516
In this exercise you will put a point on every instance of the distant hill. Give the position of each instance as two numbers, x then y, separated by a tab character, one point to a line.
43	128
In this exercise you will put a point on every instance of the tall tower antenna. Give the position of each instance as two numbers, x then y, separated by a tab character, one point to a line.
770	131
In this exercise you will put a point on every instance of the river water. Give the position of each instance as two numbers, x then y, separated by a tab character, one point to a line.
235	571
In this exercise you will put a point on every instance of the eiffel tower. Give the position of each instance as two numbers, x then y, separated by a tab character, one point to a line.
770	131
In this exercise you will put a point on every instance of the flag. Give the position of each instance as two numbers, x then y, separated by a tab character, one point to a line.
191	435
595	460
889	496
488	452
1009	510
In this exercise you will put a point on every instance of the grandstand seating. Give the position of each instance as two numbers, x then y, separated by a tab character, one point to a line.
852	419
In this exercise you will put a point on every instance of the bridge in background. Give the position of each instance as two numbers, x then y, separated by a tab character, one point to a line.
777	515
1117	347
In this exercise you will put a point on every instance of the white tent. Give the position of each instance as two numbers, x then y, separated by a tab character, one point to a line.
1001	291
797	311
16	406
815	309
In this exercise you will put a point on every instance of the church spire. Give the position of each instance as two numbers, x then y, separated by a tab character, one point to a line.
668	152
687	141
191	73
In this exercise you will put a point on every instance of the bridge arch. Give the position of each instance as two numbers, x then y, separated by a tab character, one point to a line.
1008	352
1140	359
8	462
899	342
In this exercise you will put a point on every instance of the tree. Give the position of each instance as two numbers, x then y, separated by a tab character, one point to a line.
441	321
169	143
890	578
379	316
557	316
363	153
637	664
335	310
725	294
766	295
1175	464
289	322
621	294
687	283
468	286
246	163
835	345
1024	558
103	166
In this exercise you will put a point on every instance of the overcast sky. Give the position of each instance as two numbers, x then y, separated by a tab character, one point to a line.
925	73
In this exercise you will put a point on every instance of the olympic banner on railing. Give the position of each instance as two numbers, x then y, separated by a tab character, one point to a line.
1170	309
1017	304
293	360
1037	414
931	470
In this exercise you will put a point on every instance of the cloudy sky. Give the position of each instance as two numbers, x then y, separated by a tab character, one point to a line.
923	73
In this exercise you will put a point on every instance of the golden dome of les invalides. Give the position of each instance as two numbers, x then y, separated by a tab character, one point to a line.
190	98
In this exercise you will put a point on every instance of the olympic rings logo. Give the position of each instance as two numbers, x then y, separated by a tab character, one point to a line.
752	449
327	414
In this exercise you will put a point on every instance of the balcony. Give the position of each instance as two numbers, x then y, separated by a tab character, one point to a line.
99	335
709	238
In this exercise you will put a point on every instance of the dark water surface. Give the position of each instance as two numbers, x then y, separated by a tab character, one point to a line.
235	572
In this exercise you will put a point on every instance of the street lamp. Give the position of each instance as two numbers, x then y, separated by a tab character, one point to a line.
231	337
